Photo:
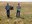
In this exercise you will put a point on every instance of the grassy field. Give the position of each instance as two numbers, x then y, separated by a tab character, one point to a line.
26	13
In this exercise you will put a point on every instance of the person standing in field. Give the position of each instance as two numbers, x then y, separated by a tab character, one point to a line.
18	10
8	10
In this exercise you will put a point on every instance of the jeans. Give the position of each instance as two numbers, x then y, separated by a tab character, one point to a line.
8	13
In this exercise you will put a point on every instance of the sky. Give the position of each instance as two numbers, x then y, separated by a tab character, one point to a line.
17	0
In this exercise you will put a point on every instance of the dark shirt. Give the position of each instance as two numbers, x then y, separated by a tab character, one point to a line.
7	7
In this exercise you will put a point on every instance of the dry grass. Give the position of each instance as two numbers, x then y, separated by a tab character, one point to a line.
26	13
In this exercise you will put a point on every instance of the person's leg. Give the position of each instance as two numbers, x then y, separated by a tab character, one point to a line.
8	13
18	14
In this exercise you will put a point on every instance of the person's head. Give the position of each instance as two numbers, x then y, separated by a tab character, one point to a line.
18	4
8	4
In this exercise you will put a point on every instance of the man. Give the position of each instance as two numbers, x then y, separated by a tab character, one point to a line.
8	10
18	10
